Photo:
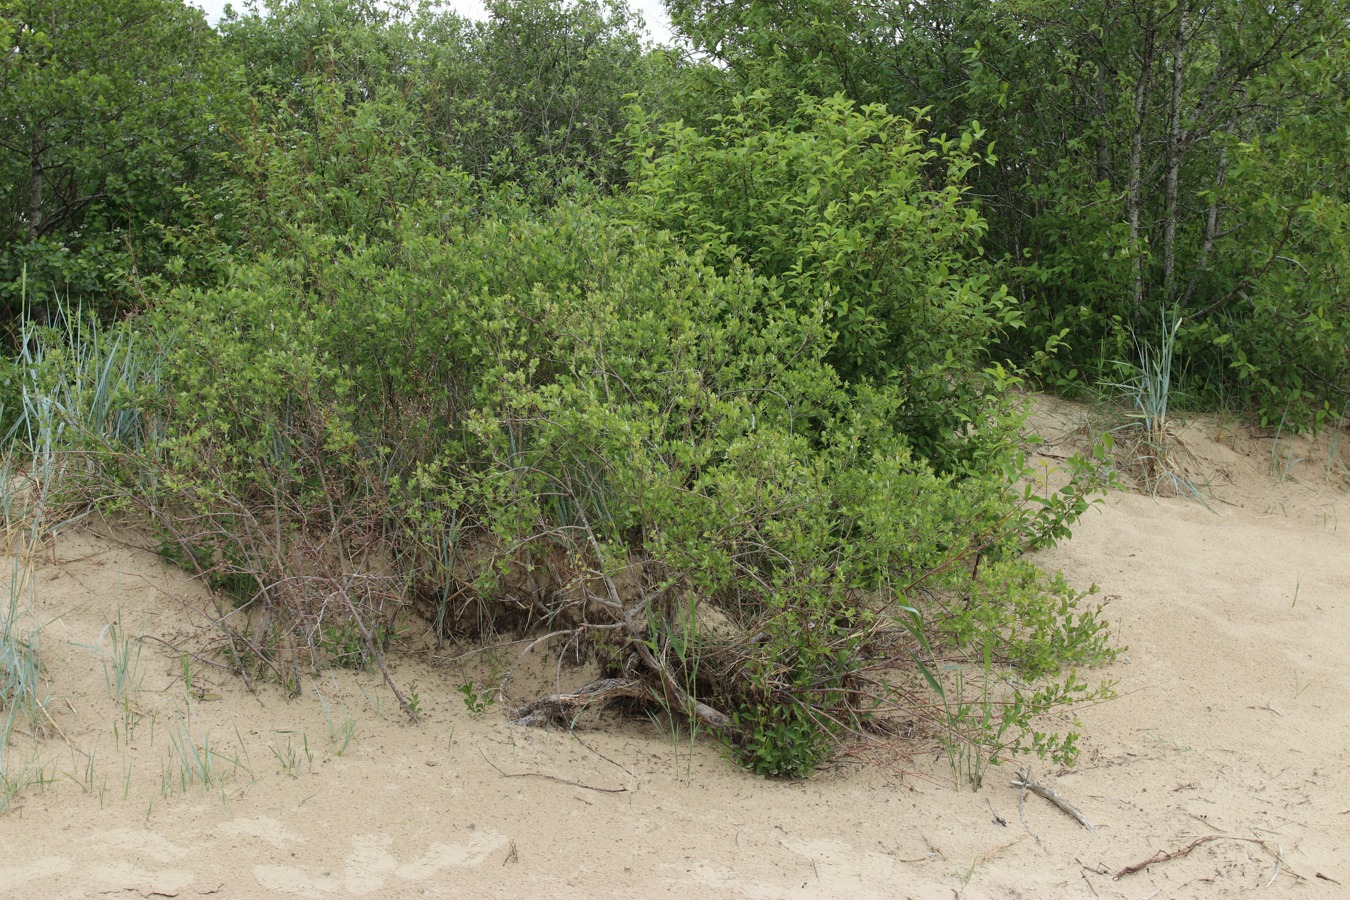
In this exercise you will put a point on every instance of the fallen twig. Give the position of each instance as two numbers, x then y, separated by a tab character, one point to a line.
1022	811
196	657
1025	782
617	790
1166	855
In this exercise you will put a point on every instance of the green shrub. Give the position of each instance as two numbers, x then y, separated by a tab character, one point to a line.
566	419
860	217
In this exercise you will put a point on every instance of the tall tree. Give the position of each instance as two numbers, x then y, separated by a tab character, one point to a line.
108	114
533	93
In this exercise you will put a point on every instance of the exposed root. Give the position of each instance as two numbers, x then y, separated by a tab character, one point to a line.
562	709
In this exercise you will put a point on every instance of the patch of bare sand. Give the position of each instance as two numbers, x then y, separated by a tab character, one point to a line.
1231	722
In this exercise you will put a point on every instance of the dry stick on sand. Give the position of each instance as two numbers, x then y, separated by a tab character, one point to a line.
1022	809
1165	855
1025	782
603	790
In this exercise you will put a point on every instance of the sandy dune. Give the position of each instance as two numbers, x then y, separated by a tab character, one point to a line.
1231	727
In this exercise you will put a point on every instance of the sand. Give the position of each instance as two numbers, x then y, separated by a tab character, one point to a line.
1230	729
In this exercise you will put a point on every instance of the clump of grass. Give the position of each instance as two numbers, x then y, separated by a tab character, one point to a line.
1148	437
21	699
20	661
16	775
1334	467
1282	462
194	759
289	756
121	665
340	731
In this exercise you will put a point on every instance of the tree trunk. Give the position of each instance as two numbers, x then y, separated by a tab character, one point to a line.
1174	141
35	187
1141	92
1211	228
1103	137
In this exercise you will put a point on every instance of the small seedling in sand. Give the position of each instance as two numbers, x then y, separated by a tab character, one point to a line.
1299	688
414	702
476	701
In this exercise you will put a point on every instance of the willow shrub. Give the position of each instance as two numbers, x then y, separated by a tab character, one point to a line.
861	215
572	421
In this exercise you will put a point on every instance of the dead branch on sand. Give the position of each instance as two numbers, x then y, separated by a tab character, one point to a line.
568	781
1166	855
1025	783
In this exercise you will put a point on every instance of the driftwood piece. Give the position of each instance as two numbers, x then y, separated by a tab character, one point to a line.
1025	783
560	709
647	674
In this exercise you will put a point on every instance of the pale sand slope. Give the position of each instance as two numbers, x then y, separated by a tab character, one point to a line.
1232	721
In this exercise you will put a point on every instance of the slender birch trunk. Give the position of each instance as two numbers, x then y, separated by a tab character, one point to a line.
35	186
1141	94
1104	137
1175	137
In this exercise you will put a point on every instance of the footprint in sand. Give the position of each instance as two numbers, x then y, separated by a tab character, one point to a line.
370	865
262	827
139	842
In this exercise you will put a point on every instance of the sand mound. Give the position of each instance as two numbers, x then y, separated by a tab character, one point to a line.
1230	731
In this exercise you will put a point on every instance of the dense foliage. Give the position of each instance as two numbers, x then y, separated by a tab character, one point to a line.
1184	156
699	369
110	109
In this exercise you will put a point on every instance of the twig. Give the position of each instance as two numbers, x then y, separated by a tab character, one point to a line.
196	657
375	654
1166	855
1025	782
576	737
998	820
560	708
1022	811
617	790
43	707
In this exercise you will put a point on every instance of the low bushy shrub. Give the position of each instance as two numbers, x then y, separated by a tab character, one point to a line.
568	421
